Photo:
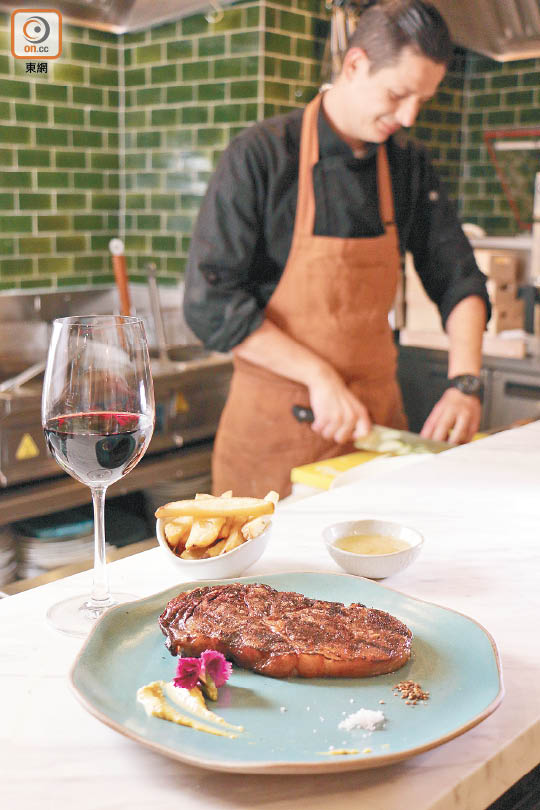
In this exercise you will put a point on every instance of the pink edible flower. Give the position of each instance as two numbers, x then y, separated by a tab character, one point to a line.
188	672
214	666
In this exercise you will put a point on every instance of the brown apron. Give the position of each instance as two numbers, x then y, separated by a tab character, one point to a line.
334	297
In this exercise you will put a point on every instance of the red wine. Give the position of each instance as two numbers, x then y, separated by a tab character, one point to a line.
100	447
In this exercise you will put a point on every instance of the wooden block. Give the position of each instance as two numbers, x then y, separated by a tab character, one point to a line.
504	274
501	294
510	316
421	314
501	265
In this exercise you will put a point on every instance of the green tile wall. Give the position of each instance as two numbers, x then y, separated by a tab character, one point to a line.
59	163
497	96
439	125
123	133
479	94
295	34
191	86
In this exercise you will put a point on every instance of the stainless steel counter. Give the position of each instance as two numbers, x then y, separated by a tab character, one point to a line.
191	387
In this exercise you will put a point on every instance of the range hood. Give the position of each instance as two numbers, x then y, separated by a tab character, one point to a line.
505	30
121	16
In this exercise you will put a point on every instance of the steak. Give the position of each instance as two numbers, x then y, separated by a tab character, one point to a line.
283	634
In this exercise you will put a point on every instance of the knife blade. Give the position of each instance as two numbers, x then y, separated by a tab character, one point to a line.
384	439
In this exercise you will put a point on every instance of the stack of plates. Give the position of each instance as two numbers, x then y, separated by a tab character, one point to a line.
50	541
38	555
64	538
8	562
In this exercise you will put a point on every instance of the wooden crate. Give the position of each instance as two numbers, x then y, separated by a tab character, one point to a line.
504	266
507	316
501	294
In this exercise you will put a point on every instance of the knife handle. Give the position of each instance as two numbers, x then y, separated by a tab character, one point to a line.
121	278
302	414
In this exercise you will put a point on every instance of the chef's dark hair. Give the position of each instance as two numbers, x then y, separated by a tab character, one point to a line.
385	27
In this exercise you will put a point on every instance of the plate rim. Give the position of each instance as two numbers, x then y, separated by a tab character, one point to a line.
348	763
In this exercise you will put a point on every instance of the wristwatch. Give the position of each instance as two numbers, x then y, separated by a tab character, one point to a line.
468	384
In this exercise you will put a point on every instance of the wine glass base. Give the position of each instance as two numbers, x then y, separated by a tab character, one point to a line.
76	616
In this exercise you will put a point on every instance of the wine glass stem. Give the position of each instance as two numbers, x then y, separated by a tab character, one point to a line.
101	596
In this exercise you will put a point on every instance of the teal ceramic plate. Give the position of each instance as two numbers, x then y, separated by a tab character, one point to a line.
291	725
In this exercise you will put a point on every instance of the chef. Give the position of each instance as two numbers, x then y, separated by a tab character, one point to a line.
296	256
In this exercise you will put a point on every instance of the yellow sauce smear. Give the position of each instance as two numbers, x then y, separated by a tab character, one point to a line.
154	696
371	544
337	752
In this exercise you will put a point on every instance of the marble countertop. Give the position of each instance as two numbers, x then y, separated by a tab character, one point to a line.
478	507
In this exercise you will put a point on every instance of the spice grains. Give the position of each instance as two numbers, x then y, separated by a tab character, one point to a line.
411	692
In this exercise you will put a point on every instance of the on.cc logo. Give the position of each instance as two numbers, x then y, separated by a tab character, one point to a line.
36	33
36	29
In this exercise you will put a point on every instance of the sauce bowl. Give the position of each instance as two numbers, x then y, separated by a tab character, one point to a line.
373	566
226	565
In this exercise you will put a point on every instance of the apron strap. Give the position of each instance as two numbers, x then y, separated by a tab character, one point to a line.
384	186
309	155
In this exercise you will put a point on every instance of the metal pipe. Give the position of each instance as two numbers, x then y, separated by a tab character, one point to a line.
24	377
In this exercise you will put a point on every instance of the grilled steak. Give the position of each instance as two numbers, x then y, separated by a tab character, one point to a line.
282	634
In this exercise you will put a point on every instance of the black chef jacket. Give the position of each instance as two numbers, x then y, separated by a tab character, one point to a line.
244	230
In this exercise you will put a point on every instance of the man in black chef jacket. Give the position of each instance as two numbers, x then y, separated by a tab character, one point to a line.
260	281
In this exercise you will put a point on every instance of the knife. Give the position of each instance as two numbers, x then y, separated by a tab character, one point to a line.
384	439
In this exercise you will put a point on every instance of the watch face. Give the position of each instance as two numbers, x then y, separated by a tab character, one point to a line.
468	384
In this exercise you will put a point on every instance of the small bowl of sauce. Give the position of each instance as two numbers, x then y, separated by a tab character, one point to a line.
372	548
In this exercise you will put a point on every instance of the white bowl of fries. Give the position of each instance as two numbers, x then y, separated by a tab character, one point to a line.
215	537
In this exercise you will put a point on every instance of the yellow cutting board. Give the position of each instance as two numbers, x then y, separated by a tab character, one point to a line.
320	474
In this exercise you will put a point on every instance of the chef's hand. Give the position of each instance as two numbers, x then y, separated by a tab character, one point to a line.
339	415
455	418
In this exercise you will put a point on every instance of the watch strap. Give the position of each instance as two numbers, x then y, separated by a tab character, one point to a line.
469	384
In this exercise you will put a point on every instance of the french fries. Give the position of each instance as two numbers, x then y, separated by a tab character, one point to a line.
205	531
208	526
234	539
177	531
217	507
254	527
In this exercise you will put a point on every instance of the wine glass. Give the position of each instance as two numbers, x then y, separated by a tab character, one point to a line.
98	418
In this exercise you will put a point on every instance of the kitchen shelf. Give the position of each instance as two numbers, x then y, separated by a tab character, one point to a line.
44	497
